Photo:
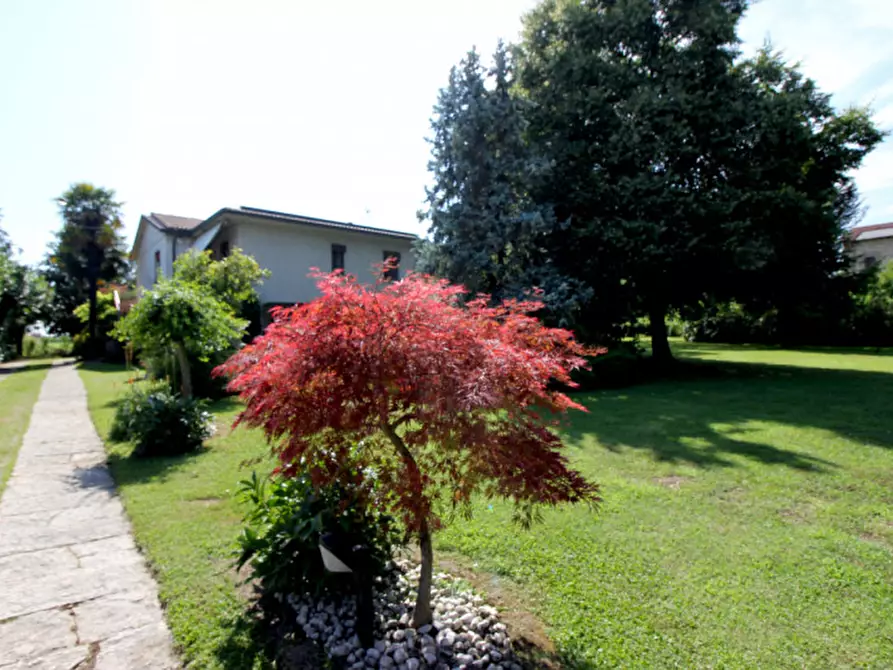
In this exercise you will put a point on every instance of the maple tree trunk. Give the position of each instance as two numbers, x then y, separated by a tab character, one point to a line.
422	613
185	374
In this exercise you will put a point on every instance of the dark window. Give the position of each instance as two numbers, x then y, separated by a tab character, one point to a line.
338	251
870	262
157	265
224	249
394	272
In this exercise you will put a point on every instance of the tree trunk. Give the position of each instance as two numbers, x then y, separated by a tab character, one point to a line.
185	373
91	326
422	614
18	335
660	345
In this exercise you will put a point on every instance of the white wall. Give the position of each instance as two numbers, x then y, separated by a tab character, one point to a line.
880	249
289	250
153	240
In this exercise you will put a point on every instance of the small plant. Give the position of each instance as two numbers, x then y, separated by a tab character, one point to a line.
287	518
159	422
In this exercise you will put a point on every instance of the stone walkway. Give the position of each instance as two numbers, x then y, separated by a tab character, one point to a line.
74	590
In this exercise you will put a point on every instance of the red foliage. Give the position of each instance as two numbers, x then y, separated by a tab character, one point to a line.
404	383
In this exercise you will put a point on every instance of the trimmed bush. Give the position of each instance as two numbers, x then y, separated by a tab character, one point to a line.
160	422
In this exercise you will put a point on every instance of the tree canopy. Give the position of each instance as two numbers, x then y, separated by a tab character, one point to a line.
184	319
233	279
663	169
24	296
433	396
87	250
487	233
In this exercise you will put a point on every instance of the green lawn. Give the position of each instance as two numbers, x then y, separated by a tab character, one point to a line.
18	393
748	521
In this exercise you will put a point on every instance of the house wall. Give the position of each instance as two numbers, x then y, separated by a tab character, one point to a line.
153	240
290	250
879	248
228	234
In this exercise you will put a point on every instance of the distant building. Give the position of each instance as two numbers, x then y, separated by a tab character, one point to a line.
287	245
871	245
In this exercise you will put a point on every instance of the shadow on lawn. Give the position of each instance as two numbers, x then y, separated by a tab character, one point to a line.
701	418
127	469
27	365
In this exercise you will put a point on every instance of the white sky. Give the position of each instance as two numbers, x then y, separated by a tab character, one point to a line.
186	106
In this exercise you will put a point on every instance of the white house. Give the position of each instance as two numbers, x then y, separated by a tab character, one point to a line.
287	245
871	244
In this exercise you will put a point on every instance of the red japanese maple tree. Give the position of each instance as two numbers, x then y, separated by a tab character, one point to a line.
434	397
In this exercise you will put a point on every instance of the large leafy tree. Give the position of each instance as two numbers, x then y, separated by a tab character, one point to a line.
233	279
797	193
637	109
683	173
9	271
486	232
432	398
24	296
88	249
184	320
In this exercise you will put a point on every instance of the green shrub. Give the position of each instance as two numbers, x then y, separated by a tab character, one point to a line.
159	422
283	529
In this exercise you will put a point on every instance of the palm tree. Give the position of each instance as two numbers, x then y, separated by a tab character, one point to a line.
92	227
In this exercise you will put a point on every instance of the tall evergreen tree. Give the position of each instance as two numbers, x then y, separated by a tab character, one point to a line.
88	249
486	232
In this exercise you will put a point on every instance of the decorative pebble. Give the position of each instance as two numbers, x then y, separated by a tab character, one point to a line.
466	632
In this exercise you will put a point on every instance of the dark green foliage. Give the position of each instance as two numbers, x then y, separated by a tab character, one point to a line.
24	296
645	166
623	365
287	518
486	231
90	242
159	422
857	310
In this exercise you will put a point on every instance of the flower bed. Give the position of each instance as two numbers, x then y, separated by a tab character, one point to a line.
466	632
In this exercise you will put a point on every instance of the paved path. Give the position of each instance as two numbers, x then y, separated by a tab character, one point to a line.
74	589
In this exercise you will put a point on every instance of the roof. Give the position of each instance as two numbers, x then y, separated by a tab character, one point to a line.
871	232
190	227
171	222
256	212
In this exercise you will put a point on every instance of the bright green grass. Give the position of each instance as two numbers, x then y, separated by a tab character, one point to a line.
18	393
186	519
775	550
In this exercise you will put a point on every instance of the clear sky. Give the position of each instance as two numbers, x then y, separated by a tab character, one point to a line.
315	108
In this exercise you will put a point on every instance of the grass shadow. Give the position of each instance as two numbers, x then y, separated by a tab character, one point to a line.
128	469
695	348
701	416
28	366
98	366
247	644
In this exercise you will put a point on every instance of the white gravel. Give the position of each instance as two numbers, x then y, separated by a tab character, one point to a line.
466	632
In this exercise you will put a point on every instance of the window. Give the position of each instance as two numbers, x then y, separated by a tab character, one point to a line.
338	251
157	266
394	272
870	262
224	249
